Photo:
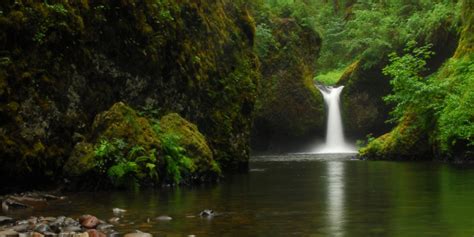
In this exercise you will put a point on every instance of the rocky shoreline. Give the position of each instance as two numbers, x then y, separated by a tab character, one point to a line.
62	226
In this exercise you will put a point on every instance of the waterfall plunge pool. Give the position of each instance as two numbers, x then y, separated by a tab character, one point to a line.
298	195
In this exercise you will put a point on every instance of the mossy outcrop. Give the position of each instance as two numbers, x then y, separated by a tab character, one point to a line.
125	137
194	143
445	131
62	63
289	106
363	109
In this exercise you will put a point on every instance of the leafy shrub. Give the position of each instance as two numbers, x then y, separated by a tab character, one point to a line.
177	164
410	88
125	166
264	41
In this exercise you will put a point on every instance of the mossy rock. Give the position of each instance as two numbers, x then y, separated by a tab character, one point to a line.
405	141
193	142
363	109
289	107
81	160
60	67
120	122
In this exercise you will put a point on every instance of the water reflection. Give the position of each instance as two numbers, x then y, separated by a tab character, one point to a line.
335	197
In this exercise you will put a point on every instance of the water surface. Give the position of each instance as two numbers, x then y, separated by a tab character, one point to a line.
300	195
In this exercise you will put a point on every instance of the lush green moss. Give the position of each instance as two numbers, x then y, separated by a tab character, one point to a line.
62	63
194	143
439	123
127	149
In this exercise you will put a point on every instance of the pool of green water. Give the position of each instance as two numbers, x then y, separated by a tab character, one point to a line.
298	195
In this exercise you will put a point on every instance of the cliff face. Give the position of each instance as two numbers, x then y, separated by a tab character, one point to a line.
289	106
63	63
443	128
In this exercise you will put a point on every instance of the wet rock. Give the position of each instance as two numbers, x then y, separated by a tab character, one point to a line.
27	234
8	233
114	220
42	228
118	211
67	234
71	229
50	234
69	222
95	233
58	222
36	234
48	219
85	234
104	227
207	213
32	221
113	234
89	221
138	234
10	203
21	228
5	220
164	218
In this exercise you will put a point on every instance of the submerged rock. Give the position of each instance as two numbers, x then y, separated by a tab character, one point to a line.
164	218
118	211
139	234
89	221
5	219
207	213
8	233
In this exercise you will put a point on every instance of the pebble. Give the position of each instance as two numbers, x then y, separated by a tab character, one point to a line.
5	219
164	218
104	227
89	221
71	229
21	228
36	234
85	234
118	211
42	228
114	220
95	233
207	213
8	233
140	234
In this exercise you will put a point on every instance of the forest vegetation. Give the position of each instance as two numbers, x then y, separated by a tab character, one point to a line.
159	92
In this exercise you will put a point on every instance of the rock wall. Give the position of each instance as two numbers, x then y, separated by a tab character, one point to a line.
64	62
289	106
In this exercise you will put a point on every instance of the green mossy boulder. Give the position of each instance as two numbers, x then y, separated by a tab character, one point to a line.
126	138
403	142
193	142
124	130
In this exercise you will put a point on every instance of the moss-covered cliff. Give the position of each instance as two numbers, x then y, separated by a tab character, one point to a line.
289	106
63	62
364	109
441	124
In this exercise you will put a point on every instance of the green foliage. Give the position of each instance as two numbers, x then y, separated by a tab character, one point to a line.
264	40
410	88
58	8
124	166
329	78
178	164
456	114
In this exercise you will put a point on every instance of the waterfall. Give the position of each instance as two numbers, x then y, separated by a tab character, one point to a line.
335	142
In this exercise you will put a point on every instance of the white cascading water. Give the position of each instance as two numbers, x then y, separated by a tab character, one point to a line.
335	142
